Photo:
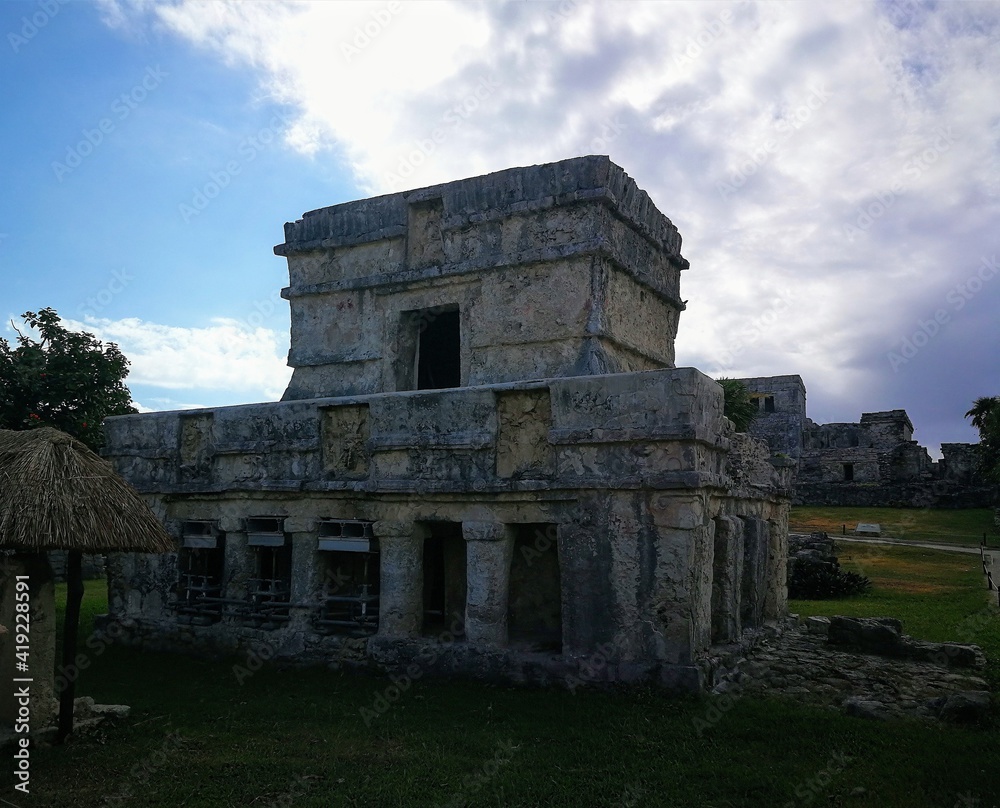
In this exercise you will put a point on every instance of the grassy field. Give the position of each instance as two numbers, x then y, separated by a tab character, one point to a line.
912	524
939	596
196	737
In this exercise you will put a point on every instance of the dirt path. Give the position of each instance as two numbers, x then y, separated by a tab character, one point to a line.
948	548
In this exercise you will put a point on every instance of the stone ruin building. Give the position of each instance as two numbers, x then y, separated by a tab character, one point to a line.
485	461
874	462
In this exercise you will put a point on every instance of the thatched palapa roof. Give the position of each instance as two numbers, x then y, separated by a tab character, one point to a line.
57	494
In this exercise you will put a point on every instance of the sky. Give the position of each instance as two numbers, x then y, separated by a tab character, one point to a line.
833	169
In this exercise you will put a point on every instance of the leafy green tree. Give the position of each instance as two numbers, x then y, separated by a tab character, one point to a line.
738	406
67	380
985	415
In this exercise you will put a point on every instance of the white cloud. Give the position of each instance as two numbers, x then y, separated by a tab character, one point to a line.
812	114
224	356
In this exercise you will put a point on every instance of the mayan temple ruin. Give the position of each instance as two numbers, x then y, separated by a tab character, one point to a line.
485	460
874	462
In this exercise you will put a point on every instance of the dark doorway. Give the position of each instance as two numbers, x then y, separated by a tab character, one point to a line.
848	472
534	612
768	403
439	362
444	577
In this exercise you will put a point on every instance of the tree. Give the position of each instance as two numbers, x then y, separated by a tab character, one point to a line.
738	407
68	380
985	415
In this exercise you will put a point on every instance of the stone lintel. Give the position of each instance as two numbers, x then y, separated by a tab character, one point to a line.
394	529
485	531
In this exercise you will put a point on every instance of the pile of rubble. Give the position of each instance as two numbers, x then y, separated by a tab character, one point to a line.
862	666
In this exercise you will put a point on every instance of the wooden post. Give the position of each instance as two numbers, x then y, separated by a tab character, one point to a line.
71	626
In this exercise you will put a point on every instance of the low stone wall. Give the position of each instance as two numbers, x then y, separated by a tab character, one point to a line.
929	494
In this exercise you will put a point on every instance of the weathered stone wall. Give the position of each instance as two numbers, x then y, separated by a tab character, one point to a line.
832	436
872	463
959	462
92	568
828	466
886	430
632	472
783	426
556	270
922	494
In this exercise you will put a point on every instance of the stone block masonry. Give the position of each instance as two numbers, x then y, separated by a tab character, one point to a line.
872	463
485	462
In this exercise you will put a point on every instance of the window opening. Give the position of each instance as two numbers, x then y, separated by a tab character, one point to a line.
269	592
349	588
438	354
201	564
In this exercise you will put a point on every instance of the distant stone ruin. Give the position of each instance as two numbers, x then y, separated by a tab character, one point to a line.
485	462
874	462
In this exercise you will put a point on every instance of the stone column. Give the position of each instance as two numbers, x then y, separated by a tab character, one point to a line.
304	587
239	564
401	589
776	600
756	540
490	546
682	596
727	579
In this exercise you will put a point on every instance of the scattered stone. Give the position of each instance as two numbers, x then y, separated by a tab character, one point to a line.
83	707
865	708
883	636
818	625
111	710
965	707
875	635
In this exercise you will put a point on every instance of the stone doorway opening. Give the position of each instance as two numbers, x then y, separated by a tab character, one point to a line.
445	577
534	610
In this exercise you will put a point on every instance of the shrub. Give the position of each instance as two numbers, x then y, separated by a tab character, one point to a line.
824	581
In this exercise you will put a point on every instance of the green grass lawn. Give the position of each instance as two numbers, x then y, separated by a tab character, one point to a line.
912	524
297	737
939	596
